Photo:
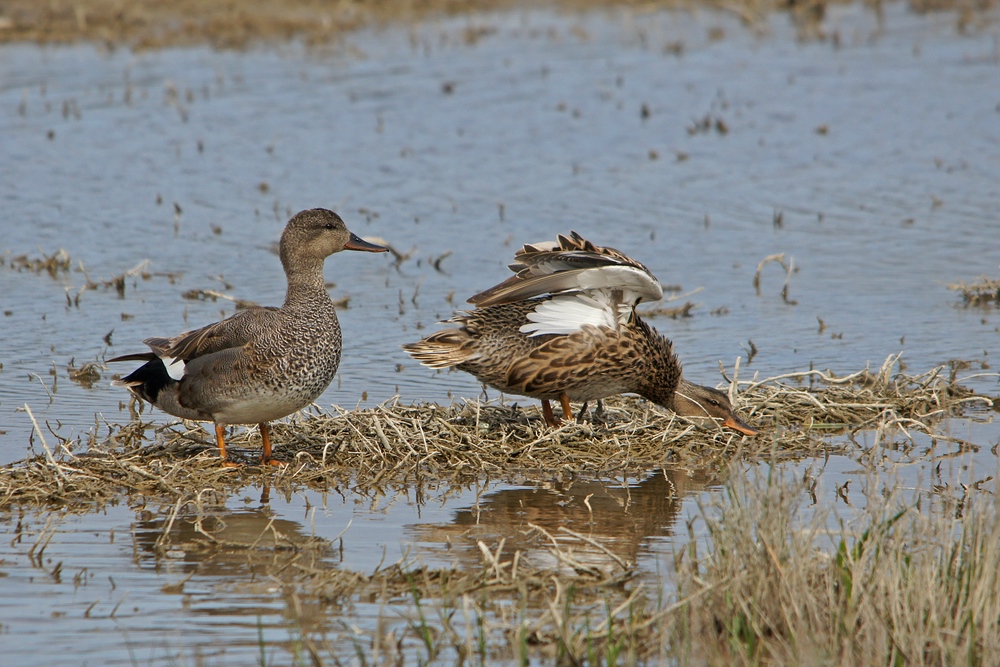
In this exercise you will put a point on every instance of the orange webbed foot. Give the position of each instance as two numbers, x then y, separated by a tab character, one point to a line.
273	462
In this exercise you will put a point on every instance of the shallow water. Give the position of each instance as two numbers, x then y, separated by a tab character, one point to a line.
873	166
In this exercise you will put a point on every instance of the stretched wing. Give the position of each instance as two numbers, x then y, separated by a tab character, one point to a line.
571	263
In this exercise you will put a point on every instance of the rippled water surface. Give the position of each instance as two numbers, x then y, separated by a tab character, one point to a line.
871	161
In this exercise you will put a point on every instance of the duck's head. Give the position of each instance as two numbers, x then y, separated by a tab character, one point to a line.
699	403
315	235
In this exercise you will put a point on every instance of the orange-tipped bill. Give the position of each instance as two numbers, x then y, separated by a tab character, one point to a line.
358	243
734	422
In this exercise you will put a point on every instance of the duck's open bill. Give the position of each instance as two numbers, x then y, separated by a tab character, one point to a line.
358	243
738	424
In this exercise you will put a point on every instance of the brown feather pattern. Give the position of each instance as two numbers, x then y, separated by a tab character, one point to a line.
590	363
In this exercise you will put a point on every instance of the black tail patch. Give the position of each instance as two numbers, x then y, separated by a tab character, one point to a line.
148	380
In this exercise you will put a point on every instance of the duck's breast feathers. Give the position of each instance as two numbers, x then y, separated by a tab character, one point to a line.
571	263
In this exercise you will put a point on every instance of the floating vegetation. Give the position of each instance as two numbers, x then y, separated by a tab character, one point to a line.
55	264
395	444
118	282
140	270
674	312
822	400
789	268
59	263
982	292
213	295
86	375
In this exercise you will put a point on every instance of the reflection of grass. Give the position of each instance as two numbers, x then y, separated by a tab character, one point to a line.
909	578
901	580
905	582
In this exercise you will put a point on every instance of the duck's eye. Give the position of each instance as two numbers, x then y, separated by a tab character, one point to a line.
328	225
714	402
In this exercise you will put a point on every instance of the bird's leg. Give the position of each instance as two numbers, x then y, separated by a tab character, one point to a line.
550	419
583	411
567	411
220	440
265	435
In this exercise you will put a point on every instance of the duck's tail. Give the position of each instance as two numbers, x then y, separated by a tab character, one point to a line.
147	380
444	349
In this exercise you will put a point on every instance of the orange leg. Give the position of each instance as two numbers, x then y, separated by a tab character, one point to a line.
220	440
567	411
550	419
265	435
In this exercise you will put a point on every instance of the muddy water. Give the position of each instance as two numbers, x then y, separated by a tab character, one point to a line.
872	165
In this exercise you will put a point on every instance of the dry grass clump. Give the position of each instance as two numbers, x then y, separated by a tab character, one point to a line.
982	292
823	400
912	582
389	445
121	465
403	445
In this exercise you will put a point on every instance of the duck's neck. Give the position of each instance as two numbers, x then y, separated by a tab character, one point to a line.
663	369
306	284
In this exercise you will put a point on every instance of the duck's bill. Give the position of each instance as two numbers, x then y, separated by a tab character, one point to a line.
737	424
358	243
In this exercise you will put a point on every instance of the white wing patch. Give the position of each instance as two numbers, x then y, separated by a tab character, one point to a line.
175	367
568	313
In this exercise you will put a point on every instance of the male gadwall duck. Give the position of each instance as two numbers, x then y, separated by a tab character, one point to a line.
263	363
564	327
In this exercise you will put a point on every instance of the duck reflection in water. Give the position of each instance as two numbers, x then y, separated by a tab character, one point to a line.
221	542
599	526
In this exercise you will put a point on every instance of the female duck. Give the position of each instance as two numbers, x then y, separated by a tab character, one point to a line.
564	327
263	363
